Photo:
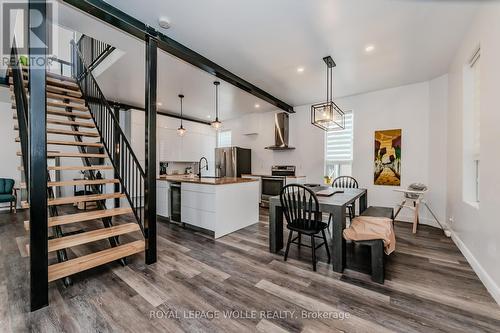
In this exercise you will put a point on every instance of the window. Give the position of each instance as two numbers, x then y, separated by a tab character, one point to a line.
224	139
338	149
471	128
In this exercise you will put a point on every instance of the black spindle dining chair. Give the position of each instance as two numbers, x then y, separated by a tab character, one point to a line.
301	209
344	182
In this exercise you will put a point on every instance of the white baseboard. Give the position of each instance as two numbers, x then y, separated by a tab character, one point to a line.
483	275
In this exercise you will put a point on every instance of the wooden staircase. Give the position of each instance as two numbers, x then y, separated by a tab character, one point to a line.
67	115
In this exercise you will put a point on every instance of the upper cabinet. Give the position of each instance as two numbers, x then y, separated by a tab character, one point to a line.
199	140
169	145
252	124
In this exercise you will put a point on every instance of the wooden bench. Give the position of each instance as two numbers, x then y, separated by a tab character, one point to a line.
376	245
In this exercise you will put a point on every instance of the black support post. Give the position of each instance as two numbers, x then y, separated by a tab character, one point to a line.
150	170
39	285
116	152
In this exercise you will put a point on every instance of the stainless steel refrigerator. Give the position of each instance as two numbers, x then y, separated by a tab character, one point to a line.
232	162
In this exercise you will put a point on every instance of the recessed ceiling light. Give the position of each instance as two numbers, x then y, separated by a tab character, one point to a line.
369	48
300	69
257	105
164	22
159	103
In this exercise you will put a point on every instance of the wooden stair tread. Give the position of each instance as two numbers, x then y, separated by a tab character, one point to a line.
64	91
80	107
52	80
67	132
54	76
78	168
78	199
85	216
84	182
74	143
71	143
75	168
67	122
88	155
58	154
60	100
81	182
72	133
73	266
73	90
63	113
91	236
51	95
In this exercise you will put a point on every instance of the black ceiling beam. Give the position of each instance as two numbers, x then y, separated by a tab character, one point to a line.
125	106
131	25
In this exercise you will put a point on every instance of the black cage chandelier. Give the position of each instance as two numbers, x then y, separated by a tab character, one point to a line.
328	116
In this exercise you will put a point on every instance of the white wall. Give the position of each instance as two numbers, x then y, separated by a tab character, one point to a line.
9	148
408	107
437	146
308	141
477	230
405	108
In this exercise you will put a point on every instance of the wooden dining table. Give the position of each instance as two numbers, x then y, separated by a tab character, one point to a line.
335	204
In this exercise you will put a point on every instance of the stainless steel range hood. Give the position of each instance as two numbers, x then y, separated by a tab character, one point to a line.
281	130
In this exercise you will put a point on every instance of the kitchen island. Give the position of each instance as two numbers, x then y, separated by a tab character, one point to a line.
219	205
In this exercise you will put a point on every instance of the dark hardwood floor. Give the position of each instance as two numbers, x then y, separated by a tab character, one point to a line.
197	282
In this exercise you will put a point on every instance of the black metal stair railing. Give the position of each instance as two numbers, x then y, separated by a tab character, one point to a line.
127	167
93	51
21	105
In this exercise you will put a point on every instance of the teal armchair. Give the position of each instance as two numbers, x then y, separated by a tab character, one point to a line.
8	193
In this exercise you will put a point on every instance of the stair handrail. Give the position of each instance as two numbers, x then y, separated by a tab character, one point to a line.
128	169
93	51
21	104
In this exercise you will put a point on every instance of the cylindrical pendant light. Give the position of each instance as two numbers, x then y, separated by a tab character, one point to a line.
216	123
181	130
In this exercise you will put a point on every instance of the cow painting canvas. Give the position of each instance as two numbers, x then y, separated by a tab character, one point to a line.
388	157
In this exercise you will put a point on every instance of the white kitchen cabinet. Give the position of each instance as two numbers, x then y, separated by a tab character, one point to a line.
192	144
220	208
252	124
199	140
169	145
162	198
259	179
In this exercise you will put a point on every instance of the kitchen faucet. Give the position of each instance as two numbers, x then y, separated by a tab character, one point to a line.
200	167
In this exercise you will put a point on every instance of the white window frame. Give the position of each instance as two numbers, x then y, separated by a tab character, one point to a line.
224	144
471	130
340	166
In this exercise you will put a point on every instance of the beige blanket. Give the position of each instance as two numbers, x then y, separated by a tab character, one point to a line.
367	228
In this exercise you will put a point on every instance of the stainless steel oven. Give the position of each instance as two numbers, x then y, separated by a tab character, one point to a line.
271	186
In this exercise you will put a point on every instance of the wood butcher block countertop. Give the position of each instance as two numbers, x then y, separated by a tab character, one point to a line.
207	180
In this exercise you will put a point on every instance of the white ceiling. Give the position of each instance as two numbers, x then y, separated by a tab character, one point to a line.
124	80
265	41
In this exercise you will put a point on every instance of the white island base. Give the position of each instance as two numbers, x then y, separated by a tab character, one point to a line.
222	208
